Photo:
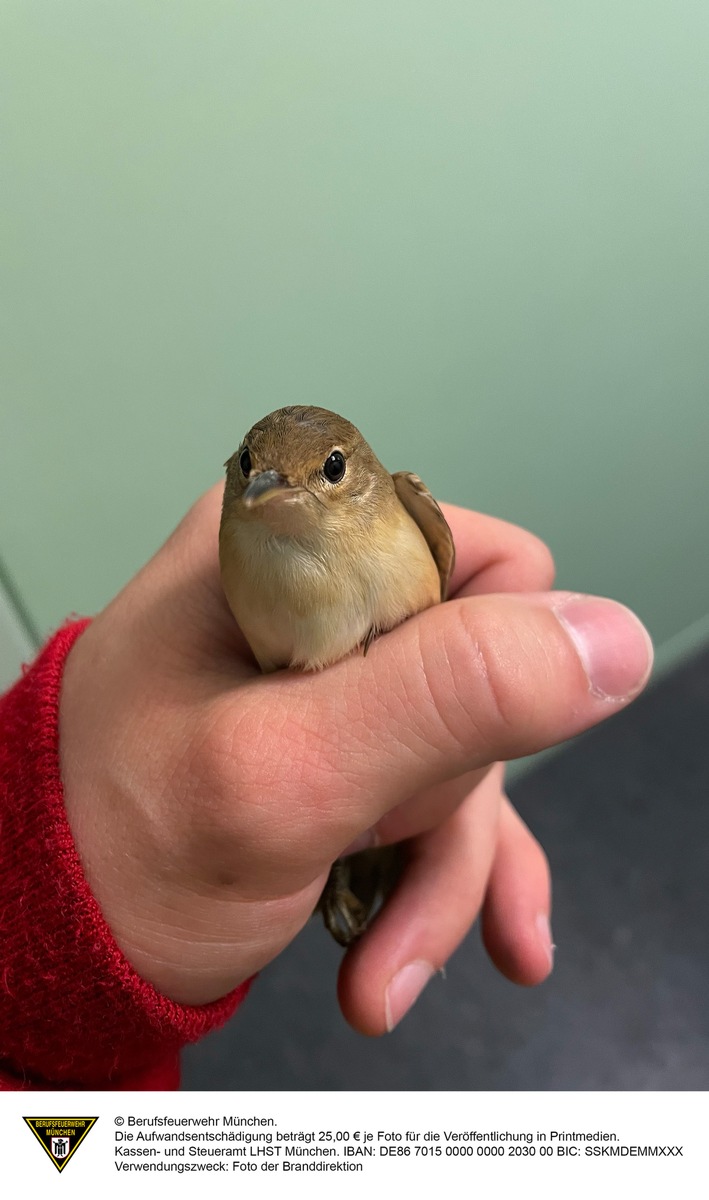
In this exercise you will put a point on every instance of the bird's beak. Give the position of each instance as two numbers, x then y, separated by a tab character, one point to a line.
263	486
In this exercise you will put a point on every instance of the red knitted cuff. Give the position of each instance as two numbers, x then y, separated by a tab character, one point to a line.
73	1012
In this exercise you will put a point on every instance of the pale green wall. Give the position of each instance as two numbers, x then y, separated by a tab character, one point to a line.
479	230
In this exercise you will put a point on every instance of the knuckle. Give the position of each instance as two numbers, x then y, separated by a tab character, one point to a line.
537	567
216	769
238	797
271	767
484	700
488	637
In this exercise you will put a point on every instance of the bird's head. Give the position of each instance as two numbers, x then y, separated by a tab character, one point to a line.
302	470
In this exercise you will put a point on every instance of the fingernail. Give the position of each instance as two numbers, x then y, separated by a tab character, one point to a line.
404	989
614	647
544	931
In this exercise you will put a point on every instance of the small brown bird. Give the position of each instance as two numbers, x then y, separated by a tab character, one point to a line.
321	549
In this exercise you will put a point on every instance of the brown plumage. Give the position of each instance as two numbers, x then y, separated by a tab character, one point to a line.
320	550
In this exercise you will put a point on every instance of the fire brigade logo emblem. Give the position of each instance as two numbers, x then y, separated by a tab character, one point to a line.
60	1137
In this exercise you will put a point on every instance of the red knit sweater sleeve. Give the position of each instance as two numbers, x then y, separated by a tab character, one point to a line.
73	1012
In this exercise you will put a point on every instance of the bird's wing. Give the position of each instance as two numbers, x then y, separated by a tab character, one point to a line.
420	504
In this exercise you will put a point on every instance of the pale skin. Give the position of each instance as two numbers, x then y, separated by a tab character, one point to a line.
208	801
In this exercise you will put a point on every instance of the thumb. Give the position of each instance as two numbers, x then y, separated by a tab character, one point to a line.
469	682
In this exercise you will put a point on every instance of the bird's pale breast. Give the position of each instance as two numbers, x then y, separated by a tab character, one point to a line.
309	604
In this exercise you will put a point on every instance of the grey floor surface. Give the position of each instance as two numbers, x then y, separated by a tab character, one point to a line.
623	814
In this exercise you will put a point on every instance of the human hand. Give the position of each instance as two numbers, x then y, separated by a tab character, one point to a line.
207	801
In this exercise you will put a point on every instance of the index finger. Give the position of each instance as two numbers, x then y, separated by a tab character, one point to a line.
495	556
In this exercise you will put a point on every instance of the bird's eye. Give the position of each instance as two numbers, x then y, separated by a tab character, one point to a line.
245	461
334	467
